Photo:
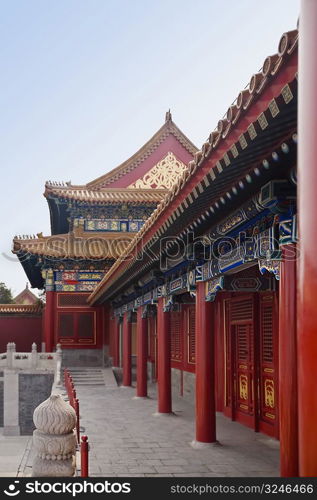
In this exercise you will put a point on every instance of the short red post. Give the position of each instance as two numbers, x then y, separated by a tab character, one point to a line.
84	448
77	419
74	396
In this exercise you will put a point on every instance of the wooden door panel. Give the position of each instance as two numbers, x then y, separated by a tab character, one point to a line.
267	366
241	319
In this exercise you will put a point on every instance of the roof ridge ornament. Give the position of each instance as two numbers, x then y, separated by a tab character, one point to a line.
168	116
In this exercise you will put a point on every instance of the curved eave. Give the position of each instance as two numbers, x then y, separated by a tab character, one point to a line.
32	269
58	216
21	309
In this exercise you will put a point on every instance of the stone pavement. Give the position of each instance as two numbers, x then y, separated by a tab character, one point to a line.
127	440
14	452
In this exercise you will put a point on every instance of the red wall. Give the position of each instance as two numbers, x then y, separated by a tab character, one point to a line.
23	330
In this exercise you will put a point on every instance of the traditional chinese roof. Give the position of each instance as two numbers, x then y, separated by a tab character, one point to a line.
26	297
143	179
20	308
69	246
108	196
262	116
130	169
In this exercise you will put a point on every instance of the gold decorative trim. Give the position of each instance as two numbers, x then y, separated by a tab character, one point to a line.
263	121
269	415
234	151
163	175
226	159
243	141
252	132
273	107
287	94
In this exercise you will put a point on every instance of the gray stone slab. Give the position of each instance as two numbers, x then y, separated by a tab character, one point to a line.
123	435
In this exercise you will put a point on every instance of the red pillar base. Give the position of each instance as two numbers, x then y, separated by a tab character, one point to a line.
199	445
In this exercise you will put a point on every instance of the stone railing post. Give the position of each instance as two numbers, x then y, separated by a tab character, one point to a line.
34	355
54	439
10	354
58	365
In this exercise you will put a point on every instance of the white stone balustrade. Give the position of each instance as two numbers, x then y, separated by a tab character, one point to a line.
54	439
30	360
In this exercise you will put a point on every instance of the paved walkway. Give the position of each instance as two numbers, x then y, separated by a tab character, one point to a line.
127	440
14	452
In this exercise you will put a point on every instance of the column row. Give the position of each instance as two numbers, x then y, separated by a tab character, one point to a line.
205	386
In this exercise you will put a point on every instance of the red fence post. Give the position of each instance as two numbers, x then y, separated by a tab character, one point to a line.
84	448
77	419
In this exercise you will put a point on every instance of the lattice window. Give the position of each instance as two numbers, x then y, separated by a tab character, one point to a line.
176	345
85	325
76	327
242	342
66	325
242	309
72	299
267	331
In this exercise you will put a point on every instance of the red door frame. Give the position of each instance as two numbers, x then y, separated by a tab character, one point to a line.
254	420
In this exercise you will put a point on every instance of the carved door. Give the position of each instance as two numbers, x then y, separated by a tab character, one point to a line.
243	369
268	354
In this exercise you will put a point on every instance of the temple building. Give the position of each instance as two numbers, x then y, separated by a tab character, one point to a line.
210	277
26	297
186	260
91	226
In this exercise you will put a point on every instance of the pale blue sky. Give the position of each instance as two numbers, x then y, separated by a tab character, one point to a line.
84	83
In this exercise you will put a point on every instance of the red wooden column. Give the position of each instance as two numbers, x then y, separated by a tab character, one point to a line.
49	321
49	311
142	352
164	360
205	376
307	268
288	408
116	341
127	364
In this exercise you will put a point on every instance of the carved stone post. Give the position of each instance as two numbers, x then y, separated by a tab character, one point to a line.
10	354
58	366
34	355
54	439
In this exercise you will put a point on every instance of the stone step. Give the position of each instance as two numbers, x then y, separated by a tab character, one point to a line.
90	383
87	376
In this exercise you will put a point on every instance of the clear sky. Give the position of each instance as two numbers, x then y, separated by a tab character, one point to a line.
84	83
